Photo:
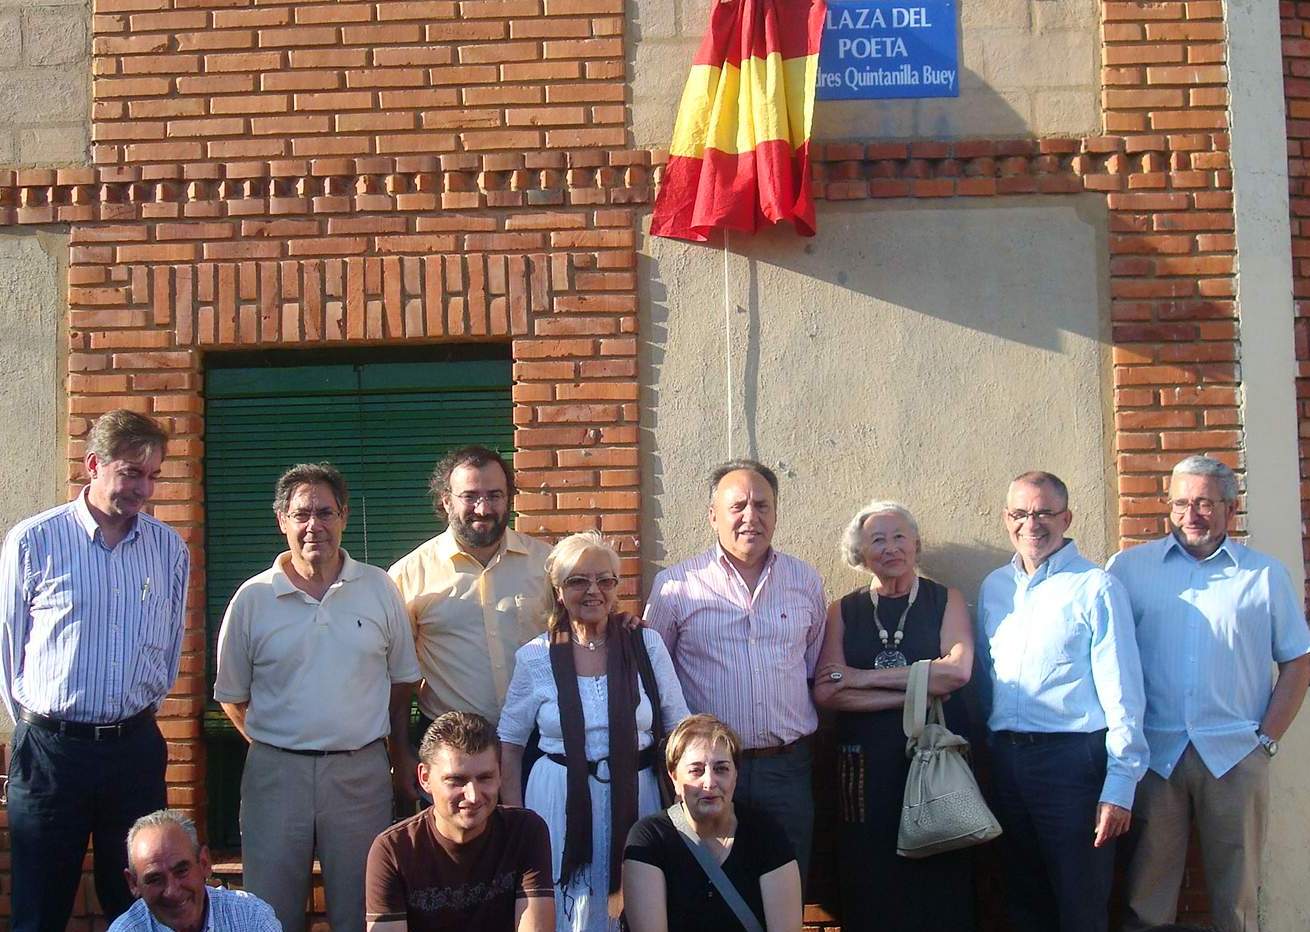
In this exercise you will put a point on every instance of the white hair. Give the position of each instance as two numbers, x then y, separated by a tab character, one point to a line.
852	541
1211	468
566	554
161	818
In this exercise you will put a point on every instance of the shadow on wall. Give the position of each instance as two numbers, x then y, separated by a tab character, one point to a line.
840	346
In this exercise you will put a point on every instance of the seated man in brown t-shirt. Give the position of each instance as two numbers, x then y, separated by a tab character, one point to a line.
465	863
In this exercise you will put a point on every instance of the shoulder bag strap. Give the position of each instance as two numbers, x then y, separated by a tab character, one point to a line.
721	882
916	699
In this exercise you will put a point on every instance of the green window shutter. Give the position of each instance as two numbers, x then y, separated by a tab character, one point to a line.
383	424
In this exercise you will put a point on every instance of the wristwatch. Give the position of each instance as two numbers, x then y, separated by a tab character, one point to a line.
1266	742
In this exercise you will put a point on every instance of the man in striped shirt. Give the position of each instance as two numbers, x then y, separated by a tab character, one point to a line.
744	624
91	620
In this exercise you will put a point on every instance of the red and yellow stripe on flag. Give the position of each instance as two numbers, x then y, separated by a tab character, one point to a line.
740	152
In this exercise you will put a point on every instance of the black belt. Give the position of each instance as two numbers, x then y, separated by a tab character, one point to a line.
308	752
646	758
86	731
1041	737
751	753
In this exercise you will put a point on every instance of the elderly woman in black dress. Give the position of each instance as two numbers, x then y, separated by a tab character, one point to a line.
873	635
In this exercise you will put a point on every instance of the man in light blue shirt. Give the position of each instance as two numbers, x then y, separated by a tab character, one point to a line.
1062	692
167	867
1213	617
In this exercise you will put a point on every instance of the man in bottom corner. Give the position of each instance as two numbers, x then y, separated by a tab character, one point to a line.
166	868
466	862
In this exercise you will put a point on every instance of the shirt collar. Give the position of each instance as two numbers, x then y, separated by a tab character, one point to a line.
721	557
87	521
448	547
209	913
282	584
1053	564
1173	545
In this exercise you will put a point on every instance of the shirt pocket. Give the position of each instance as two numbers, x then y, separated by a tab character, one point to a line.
530	615
783	630
1060	651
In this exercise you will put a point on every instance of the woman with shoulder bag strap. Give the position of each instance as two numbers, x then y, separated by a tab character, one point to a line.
704	864
873	635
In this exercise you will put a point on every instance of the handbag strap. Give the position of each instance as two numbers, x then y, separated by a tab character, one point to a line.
916	699
721	881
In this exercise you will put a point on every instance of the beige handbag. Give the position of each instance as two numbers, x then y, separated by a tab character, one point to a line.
943	808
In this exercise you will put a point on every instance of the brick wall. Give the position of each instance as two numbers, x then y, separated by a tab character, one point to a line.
192	83
350	174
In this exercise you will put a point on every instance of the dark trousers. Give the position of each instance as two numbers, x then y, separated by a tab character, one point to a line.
1046	795
63	791
780	785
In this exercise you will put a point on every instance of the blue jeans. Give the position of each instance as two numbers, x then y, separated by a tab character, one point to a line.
63	791
1047	790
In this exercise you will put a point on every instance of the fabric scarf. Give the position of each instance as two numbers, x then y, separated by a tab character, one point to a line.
621	672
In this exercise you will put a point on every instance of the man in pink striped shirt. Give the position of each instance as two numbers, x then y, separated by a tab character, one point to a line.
744	624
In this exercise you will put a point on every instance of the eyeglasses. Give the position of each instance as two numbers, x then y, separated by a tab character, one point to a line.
1019	517
471	499
1202	506
581	584
323	515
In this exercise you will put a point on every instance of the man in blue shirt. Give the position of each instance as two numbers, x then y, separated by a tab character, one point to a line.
1062	691
1213	617
167	867
91	621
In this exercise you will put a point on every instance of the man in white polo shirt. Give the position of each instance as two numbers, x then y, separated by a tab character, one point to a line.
316	667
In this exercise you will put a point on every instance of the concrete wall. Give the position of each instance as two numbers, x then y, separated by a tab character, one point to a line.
911	351
1268	358
45	82
1027	67
33	311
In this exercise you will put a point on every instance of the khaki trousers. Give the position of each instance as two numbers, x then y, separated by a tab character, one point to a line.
293	807
1231	814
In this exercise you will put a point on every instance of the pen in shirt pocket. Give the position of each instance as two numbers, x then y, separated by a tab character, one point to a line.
145	590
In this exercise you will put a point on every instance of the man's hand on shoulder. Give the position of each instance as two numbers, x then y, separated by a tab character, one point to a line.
626	620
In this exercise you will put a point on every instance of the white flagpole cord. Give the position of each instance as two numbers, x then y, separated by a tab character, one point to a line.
727	335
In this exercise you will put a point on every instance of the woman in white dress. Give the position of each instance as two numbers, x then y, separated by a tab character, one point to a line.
587	685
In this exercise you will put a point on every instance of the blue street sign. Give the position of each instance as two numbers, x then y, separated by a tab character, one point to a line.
889	48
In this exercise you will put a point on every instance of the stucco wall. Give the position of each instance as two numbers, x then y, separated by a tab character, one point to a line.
910	351
1027	67
45	82
33	309
1268	359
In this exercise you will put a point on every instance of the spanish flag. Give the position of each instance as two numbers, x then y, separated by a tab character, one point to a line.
740	151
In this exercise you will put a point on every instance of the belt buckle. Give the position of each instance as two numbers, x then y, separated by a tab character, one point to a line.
608	775
102	732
